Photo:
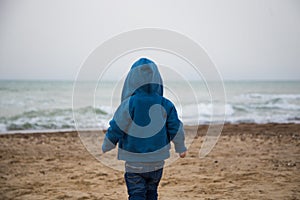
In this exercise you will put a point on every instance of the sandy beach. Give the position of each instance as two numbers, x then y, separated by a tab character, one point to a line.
249	161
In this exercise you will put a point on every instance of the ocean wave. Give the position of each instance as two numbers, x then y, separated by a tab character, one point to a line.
39	105
38	120
242	112
276	111
55	119
207	109
268	97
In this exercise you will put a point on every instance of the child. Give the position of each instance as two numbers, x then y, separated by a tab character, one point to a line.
143	125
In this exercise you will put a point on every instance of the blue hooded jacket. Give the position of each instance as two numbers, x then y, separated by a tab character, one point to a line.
145	122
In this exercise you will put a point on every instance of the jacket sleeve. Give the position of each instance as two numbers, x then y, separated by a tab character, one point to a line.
115	133
175	130
112	137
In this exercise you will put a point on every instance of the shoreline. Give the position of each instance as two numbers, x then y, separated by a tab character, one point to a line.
46	131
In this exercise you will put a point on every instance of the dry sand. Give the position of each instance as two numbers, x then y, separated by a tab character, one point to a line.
249	162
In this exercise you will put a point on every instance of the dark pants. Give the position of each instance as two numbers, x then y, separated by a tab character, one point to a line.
143	186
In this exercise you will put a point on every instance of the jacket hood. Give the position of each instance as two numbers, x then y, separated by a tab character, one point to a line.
143	77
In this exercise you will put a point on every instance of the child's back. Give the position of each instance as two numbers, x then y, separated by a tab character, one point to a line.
143	125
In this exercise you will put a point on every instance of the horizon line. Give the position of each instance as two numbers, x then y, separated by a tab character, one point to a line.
112	80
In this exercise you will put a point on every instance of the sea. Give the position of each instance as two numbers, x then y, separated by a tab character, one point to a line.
35	105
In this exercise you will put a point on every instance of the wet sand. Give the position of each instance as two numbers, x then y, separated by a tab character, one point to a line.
249	161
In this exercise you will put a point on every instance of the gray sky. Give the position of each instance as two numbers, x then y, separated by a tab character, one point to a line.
246	39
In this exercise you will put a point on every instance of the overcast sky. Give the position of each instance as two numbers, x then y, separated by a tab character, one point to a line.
246	39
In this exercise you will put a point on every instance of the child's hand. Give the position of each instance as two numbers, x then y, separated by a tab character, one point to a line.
182	155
